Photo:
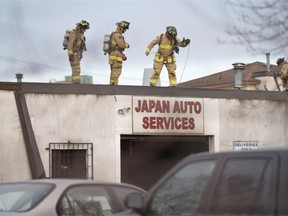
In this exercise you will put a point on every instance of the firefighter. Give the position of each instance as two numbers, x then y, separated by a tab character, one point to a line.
283	72
168	43
75	47
117	47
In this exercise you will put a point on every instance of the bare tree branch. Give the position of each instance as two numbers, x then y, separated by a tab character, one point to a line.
262	25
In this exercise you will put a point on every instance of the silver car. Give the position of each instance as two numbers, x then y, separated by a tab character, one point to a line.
63	197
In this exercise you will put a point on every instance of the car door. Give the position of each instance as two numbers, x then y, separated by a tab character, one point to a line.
181	190
246	184
218	184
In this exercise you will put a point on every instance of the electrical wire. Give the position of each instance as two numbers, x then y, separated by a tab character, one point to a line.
18	61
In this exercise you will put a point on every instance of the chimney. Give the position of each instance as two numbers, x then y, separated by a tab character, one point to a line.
19	77
268	61
238	67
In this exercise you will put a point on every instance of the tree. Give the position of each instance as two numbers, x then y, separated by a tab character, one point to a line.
262	25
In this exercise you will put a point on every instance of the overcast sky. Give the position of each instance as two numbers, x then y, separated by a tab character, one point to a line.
32	33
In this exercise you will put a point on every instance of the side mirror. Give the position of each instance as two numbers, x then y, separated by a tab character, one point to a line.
134	201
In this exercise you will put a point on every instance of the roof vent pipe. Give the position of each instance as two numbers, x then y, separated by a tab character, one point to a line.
268	61
19	77
238	67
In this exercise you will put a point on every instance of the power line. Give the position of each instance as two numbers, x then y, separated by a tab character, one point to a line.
14	60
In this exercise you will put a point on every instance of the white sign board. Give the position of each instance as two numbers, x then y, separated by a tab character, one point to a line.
168	115
245	145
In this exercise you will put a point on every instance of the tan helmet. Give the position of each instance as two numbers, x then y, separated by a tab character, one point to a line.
280	61
83	24
123	24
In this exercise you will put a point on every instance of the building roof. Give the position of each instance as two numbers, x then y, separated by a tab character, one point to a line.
64	88
226	79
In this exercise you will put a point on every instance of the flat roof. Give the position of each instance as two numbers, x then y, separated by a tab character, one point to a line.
69	88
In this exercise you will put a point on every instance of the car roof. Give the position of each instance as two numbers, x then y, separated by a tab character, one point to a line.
70	182
279	150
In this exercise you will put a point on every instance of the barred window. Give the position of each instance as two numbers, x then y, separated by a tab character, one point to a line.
71	160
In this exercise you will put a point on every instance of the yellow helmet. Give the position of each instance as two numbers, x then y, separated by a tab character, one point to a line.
123	24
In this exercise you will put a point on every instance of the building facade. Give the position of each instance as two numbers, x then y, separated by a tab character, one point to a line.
132	134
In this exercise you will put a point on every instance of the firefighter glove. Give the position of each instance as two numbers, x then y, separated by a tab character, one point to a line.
147	51
127	46
186	41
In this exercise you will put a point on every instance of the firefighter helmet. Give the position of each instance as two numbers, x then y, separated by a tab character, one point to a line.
171	30
280	61
83	24
123	24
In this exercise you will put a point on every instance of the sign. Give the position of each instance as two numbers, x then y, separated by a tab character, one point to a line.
167	115
245	145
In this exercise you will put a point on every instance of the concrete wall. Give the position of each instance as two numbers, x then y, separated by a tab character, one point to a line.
76	118
253	120
13	157
101	119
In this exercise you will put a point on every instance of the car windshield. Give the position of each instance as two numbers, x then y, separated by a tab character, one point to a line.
19	197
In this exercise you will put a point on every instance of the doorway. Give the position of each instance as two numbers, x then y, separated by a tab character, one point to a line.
146	158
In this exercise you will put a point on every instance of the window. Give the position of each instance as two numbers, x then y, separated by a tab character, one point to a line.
19	197
246	186
85	200
181	194
71	160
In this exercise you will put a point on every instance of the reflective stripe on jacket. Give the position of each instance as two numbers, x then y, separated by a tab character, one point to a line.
117	58
160	58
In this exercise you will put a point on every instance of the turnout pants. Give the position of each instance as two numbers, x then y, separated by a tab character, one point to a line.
158	65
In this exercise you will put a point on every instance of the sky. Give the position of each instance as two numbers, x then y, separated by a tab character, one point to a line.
32	33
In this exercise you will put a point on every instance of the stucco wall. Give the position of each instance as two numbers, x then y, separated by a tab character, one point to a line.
76	118
13	157
101	119
253	120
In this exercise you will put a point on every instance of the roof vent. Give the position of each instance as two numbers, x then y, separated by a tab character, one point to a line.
238	67
19	77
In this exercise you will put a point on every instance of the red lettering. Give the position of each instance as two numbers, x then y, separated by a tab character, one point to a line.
191	123
145	121
153	123
177	123
138	108
166	106
160	123
163	123
184	123
158	107
197	107
151	105
176	107
144	106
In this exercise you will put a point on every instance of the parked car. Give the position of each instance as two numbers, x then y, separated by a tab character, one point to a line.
228	183
63	197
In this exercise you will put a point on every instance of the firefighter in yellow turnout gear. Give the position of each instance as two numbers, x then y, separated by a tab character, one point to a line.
116	55
75	47
168	43
283	65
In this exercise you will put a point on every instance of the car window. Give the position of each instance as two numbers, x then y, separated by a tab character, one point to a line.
19	197
246	186
182	192
85	200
